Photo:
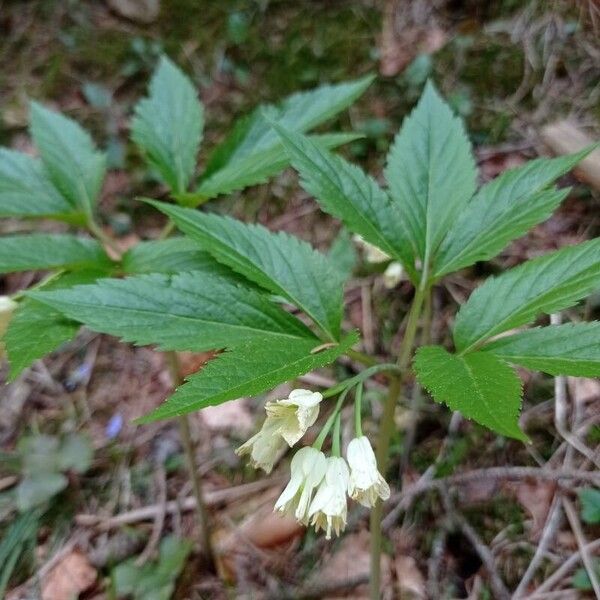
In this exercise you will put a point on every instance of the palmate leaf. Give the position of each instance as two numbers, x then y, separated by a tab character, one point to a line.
70	156
540	286
168	125
348	193
247	371
186	311
257	168
50	251
570	349
431	174
478	384
252	138
343	253
37	329
277	262
26	190
503	210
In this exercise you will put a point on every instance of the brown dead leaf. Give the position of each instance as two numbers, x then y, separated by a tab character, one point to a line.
352	560
411	582
140	11
190	362
536	498
263	530
270	529
402	39
496	164
233	415
70	577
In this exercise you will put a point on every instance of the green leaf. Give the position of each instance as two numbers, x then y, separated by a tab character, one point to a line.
503	210
256	168
186	311
543	285
154	580
170	256
75	453
590	505
349	194
38	454
45	251
571	349
247	371
478	384
252	137
17	536
35	490
581	579
71	159
431	174
26	191
37	329
168	125
278	262
343	253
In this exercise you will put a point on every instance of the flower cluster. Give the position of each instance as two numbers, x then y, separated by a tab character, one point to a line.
331	480
319	486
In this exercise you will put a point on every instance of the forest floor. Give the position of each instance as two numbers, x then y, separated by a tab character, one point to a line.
509	68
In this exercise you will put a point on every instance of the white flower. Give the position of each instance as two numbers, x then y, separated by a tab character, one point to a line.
288	420
393	275
264	447
366	482
372	253
329	506
295	414
308	469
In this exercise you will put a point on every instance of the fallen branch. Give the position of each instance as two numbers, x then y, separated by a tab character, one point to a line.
148	513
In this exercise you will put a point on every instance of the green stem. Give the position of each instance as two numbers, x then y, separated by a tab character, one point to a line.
360	357
335	445
358	410
328	424
336	389
386	429
188	446
98	233
167	230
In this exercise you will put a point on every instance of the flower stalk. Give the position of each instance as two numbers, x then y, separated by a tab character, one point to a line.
188	447
387	427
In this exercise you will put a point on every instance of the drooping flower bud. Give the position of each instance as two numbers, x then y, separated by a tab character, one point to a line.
329	508
366	482
307	471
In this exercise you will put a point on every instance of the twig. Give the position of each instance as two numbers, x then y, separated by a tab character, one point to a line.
561	412
147	513
582	544
159	521
496	583
551	526
320	590
563	570
195	476
405	498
